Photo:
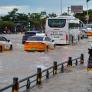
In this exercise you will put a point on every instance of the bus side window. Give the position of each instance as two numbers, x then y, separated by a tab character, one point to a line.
73	25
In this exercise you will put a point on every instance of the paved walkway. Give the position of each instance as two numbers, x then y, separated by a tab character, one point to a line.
76	79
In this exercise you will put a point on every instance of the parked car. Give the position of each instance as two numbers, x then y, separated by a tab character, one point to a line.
30	33
39	43
5	44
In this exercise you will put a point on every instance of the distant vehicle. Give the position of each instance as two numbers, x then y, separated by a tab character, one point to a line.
38	43
84	33
5	44
63	29
89	29
30	33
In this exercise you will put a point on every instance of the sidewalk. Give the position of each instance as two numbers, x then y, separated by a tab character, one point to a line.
76	79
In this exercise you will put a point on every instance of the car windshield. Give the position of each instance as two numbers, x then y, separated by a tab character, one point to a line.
3	39
30	33
35	38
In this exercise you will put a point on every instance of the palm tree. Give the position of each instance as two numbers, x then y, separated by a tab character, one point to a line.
37	21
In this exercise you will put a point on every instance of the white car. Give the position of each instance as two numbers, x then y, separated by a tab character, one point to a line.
5	44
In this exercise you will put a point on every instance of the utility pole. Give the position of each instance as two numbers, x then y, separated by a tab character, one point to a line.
87	16
61	6
68	10
28	21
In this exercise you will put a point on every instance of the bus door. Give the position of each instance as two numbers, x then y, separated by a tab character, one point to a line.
74	31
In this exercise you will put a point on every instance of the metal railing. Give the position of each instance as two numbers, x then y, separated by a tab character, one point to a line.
37	78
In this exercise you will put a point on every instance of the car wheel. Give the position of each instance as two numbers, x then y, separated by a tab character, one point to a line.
11	47
54	45
23	42
1	48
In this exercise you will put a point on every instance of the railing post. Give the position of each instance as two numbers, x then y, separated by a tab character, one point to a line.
28	84
39	76
82	59
54	67
69	61
47	74
76	63
62	68
15	87
1	49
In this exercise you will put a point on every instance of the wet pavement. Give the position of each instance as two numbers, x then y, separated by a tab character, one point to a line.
78	79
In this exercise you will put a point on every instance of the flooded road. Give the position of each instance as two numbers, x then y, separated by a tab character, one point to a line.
18	63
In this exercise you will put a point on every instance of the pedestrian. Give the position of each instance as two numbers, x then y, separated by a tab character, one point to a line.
89	66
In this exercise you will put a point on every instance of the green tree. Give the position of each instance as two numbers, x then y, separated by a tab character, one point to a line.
65	14
37	21
52	15
82	16
13	12
7	25
19	19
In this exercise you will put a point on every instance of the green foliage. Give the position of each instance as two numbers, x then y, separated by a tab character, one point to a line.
52	15
37	20
7	24
65	14
13	12
82	16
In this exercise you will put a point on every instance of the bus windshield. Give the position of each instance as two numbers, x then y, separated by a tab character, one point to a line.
57	23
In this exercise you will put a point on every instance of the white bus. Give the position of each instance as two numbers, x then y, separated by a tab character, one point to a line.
63	29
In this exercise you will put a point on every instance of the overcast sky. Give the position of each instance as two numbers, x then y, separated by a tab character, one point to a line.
49	6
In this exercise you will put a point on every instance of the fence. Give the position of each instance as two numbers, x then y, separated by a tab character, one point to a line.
37	78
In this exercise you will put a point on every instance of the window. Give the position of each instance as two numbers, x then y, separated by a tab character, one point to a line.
3	39
35	38
73	25
47	39
31	33
58	23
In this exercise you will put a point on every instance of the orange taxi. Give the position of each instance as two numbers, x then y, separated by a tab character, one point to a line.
89	32
38	43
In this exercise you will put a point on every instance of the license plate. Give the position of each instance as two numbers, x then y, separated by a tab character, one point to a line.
33	49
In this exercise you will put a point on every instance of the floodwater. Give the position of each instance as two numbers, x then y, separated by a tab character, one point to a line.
21	64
